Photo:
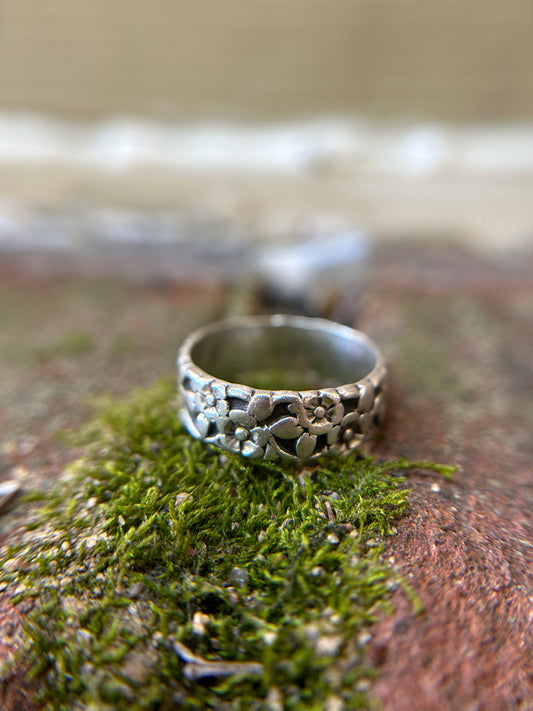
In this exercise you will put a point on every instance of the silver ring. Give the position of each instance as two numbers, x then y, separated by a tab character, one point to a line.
271	386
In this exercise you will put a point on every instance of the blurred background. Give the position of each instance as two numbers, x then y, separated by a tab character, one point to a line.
165	163
228	126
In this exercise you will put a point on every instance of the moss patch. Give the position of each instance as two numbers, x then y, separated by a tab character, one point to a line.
168	575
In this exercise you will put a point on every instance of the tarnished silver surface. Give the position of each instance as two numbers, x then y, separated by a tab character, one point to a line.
315	416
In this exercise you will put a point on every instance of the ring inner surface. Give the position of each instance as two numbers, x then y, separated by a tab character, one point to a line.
283	357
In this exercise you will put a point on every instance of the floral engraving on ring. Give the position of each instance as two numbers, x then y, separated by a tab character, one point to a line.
271	424
246	440
321	412
211	401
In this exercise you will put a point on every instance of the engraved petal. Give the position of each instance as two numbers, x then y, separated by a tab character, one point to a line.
202	424
252	450
198	384
366	397
306	445
260	406
320	427
349	418
223	424
286	396
311	401
218	390
349	391
188	422
286	428
222	407
271	452
364	422
379	409
259	436
276	450
330	397
229	442
333	435
297	408
240	391
242	418
190	399
335	413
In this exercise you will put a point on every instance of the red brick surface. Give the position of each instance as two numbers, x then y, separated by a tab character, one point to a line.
458	336
460	341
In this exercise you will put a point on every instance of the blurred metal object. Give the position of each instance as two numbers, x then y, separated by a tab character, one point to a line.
312	273
310	387
8	491
316	268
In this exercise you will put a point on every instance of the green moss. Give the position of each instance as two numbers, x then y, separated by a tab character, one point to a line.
158	556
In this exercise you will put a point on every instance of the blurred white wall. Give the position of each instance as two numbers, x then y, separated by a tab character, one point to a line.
404	119
458	59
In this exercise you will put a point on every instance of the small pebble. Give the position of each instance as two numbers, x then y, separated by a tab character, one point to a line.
312	631
363	685
363	639
137	667
274	699
199	622
269	637
71	605
329	645
335	496
134	591
239	577
317	571
332	539
84	636
181	498
435	487
233	596
334	703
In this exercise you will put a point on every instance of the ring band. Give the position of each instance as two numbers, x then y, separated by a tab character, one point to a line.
291	405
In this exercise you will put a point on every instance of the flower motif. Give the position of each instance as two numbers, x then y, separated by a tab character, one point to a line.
288	428
321	412
211	400
248	441
237	429
208	400
206	403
